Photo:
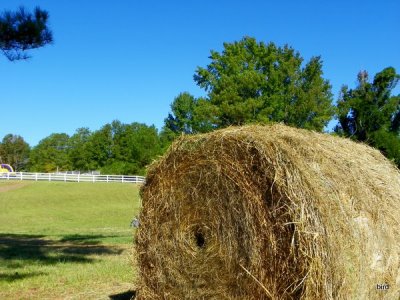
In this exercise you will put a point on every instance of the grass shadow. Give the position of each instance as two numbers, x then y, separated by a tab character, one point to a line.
128	295
86	239
17	250
16	275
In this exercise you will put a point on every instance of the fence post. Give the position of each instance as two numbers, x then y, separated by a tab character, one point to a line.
122	178
49	176
107	178
79	176
20	173
8	176
35	176
65	177
93	178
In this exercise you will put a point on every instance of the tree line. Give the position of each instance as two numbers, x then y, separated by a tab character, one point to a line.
116	148
247	82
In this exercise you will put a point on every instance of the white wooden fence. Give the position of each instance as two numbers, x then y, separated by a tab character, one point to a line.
71	177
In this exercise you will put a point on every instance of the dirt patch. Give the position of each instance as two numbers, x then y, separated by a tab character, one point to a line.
12	186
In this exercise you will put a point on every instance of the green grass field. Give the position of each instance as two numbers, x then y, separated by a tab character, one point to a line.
67	240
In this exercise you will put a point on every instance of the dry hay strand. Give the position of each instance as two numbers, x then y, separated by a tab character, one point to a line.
269	212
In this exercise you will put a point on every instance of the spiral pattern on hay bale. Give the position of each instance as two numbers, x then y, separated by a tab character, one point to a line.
269	212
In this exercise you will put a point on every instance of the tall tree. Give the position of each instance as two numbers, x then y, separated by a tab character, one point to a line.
189	115
51	154
100	147
21	31
134	147
370	113
143	144
181	119
79	152
119	148
14	151
256	82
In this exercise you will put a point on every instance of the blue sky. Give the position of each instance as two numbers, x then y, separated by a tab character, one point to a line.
128	60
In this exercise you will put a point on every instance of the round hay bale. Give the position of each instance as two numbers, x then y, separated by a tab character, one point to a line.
269	212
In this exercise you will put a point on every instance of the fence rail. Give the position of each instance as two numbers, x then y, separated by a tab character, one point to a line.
71	177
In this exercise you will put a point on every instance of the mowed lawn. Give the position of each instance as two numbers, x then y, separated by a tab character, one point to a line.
67	240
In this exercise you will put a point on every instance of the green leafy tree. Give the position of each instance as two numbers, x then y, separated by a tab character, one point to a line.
144	144
100	147
21	31
256	82
115	148
119	148
79	152
14	151
188	115
135	146
371	114
118	162
182	118
51	154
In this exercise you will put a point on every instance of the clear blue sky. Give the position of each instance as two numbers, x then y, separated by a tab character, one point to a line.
127	60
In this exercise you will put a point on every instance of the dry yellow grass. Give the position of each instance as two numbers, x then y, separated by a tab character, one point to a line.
270	212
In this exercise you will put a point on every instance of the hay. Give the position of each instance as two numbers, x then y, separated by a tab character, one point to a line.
269	212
